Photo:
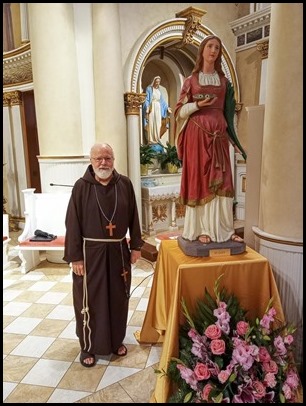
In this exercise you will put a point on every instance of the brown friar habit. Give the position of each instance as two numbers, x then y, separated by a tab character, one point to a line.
100	297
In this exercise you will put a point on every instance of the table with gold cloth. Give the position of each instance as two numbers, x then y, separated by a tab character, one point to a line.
248	276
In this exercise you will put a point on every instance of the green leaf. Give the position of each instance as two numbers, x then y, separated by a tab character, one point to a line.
211	302
187	397
282	398
186	313
232	378
219	398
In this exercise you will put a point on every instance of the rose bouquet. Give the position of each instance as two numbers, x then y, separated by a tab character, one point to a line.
224	358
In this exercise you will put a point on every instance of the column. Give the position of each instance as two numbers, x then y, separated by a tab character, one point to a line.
133	102
108	77
15	170
55	78
263	48
173	225
280	230
255	121
24	22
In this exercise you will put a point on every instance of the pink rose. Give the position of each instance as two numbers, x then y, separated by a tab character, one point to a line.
213	332
264	355
259	391
206	391
270	380
288	339
242	327
201	371
223	376
270	366
217	347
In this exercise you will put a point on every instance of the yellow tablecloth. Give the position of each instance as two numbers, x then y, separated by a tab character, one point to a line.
248	276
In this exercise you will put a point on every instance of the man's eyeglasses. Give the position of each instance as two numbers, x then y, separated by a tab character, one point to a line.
100	160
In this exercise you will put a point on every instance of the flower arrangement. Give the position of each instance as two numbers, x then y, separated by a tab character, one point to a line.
224	358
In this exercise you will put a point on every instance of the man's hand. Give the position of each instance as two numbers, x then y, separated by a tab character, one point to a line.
135	255
78	267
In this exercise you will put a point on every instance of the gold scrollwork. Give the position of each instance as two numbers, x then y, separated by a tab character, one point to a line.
159	212
133	102
12	98
193	23
180	210
263	48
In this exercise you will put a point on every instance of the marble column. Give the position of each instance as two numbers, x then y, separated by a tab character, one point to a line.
280	232
108	77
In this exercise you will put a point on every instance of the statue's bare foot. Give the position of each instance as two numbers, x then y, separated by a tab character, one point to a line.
236	238
205	239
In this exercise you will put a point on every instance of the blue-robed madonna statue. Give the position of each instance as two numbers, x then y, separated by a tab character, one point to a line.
155	112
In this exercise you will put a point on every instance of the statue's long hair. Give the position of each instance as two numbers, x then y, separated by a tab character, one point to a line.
199	61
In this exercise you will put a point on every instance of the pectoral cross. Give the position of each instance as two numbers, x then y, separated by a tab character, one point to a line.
124	275
110	228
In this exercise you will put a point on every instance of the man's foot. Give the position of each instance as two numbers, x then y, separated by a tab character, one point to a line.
205	239
236	238
87	360
122	351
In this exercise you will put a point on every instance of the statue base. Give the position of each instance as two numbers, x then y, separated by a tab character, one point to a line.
213	249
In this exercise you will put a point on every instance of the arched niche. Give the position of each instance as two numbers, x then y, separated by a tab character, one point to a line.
163	51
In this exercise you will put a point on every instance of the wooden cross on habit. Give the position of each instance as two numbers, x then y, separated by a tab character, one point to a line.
124	275
110	228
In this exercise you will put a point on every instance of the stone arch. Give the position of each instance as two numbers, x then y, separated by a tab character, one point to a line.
170	32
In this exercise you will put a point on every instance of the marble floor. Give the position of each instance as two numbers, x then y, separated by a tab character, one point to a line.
41	351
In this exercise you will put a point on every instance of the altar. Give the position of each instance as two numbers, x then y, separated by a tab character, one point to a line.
248	276
161	210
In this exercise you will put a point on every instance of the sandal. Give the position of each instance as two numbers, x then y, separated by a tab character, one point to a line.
123	351
86	355
205	239
236	238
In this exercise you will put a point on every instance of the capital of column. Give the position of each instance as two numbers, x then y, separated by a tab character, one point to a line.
12	98
133	102
263	48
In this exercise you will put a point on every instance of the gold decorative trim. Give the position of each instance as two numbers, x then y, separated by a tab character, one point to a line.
17	66
192	24
277	241
159	213
263	48
12	98
133	102
17	51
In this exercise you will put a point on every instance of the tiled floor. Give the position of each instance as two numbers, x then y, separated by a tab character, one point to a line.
41	350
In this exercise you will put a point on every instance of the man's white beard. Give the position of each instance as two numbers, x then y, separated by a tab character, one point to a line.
103	173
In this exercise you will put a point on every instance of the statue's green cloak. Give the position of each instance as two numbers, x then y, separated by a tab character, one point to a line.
229	112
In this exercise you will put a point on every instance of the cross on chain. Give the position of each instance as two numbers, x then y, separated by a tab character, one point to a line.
110	228
124	275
